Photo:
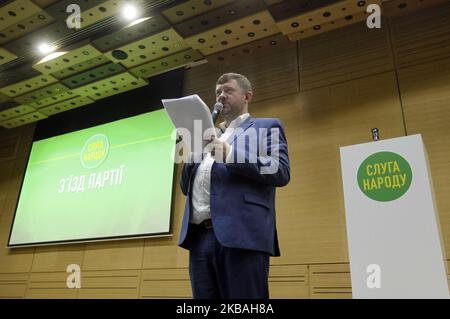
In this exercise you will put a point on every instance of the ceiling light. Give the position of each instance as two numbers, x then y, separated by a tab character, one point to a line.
46	48
129	12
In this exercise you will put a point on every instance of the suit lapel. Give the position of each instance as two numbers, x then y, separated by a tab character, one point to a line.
244	126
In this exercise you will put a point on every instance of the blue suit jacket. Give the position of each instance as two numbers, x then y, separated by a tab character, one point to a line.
242	198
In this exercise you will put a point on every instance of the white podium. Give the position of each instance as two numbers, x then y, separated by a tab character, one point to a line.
394	240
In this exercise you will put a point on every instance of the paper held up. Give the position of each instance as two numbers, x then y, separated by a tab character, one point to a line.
192	119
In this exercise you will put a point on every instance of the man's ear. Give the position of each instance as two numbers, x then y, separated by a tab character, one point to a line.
248	96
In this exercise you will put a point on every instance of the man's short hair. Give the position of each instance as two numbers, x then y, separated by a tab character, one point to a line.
241	80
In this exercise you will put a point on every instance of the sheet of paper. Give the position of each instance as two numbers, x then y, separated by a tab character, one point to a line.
193	120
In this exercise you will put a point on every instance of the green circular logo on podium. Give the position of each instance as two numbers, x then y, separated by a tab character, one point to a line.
384	176
94	151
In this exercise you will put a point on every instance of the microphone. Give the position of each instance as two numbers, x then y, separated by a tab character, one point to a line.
215	113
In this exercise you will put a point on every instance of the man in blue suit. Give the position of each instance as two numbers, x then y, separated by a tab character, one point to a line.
229	224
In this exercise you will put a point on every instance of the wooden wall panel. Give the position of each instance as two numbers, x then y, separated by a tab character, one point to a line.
330	281
109	284
425	92
344	54
57	258
12	260
17	260
165	283
9	144
126	254
422	36
5	177
13	285
50	285
288	281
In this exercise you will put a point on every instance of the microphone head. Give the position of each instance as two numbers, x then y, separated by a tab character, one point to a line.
218	106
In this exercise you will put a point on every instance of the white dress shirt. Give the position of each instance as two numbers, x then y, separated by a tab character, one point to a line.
202	180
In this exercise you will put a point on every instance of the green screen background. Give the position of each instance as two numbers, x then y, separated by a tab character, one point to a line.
140	205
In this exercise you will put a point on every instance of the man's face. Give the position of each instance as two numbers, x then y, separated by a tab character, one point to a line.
233	99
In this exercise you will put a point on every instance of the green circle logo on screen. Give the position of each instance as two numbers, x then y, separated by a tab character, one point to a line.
384	176
94	151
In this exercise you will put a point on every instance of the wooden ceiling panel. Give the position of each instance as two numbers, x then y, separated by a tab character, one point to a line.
17	74
28	85
80	67
24	119
166	64
15	112
45	96
261	47
25	26
192	8
148	49
131	33
6	56
65	105
59	8
396	8
113	85
16	11
328	26
349	10
288	9
28	43
93	75
68	59
219	17
239	32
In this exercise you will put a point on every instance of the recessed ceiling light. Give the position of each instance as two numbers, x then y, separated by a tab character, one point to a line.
46	48
129	12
